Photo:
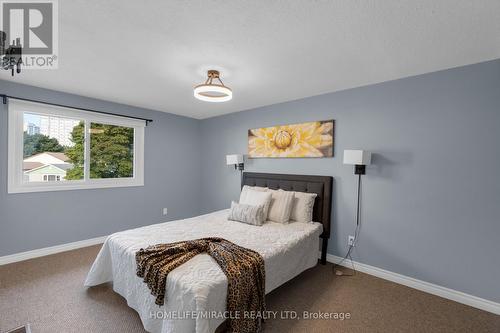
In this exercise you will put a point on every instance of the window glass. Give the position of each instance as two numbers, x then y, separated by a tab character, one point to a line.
111	151
54	148
48	148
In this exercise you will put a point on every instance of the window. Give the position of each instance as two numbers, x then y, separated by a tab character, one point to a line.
55	148
51	178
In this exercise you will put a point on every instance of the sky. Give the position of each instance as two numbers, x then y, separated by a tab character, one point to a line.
32	118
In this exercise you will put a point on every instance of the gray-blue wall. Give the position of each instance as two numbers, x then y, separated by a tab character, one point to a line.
431	199
172	174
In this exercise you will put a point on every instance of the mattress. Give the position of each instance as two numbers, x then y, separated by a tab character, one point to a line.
200	285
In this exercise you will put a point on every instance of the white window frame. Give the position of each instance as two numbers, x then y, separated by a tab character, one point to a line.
16	184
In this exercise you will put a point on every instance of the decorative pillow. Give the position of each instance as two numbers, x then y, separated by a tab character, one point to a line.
303	205
249	196
255	188
248	214
281	206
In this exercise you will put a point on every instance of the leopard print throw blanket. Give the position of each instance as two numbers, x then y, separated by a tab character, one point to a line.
244	269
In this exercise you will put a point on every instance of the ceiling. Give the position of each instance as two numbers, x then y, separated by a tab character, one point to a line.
151	54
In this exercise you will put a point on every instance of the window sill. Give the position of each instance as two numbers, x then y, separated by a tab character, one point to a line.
68	187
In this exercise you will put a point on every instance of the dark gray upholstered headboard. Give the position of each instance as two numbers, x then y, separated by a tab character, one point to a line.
321	185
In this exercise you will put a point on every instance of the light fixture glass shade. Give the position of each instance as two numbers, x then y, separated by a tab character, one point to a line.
234	159
357	157
213	92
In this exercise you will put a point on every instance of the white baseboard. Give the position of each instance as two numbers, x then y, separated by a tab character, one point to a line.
50	250
427	287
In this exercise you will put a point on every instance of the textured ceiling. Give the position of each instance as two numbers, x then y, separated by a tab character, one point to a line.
151	53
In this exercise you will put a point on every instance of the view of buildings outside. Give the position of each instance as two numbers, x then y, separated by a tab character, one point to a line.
53	127
31	128
46	139
54	149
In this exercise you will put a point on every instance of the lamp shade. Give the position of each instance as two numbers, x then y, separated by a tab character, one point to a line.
357	157
234	159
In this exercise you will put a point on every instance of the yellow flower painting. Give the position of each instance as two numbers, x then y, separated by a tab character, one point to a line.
311	139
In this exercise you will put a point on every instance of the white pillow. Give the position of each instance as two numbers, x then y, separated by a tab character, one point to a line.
248	214
250	196
303	205
255	188
281	206
246	189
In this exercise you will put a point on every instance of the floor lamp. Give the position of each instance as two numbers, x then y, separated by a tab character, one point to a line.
360	159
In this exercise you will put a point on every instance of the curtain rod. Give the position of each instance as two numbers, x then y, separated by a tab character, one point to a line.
4	99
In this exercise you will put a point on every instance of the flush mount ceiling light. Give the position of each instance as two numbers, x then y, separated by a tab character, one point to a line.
213	92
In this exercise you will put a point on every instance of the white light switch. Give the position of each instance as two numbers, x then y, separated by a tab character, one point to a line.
165	211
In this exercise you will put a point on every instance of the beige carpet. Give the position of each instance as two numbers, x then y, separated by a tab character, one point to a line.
48	293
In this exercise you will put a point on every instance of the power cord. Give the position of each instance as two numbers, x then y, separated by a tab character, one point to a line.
348	255
351	247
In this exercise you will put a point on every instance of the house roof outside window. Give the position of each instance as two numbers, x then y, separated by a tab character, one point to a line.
31	165
48	158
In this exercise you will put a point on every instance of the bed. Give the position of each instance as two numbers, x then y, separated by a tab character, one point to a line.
199	286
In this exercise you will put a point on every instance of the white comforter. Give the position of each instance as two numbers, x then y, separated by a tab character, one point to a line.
199	284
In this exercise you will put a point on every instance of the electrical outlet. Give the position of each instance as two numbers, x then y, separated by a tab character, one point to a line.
165	211
350	240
